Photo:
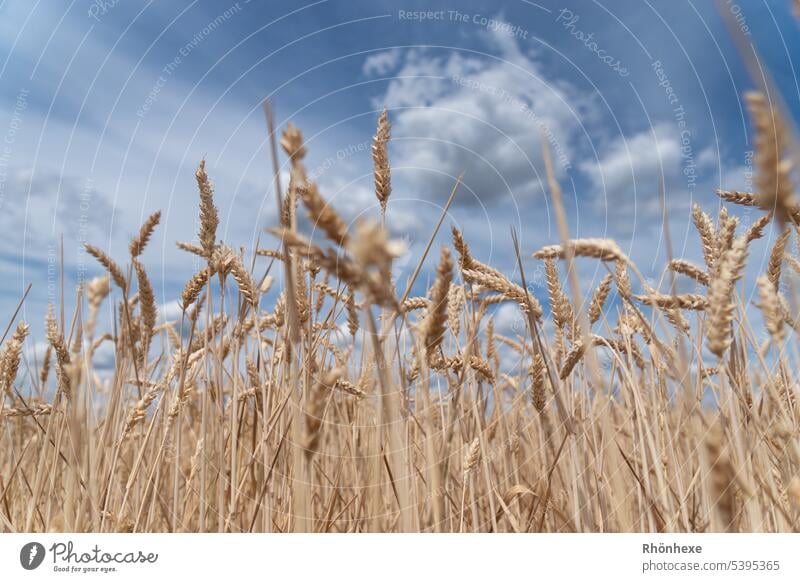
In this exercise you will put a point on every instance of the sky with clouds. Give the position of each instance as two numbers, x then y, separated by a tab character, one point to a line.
106	107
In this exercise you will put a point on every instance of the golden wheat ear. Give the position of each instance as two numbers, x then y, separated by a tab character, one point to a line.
721	300
112	267
773	165
10	358
436	316
140	242
380	160
209	215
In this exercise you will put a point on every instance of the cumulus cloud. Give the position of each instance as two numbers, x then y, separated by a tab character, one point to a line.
381	63
170	311
483	114
625	179
628	173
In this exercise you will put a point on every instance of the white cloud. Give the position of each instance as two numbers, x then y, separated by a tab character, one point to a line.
482	115
628	174
381	63
509	321
170	311
42	206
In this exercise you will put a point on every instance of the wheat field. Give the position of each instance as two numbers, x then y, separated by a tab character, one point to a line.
349	404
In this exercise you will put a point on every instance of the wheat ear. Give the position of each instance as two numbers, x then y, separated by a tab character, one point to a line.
107	262
705	228
380	161
436	316
720	300
145	232
773	177
771	308
776	257
209	215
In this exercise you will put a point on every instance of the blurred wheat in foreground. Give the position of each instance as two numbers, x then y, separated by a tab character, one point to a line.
351	405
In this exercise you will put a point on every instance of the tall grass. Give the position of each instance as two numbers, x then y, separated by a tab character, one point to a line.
348	404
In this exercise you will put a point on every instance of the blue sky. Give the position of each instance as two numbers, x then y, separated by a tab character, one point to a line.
106	106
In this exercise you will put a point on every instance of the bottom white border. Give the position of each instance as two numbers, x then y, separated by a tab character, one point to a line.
402	557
